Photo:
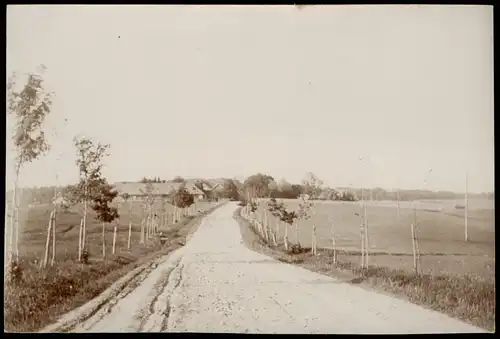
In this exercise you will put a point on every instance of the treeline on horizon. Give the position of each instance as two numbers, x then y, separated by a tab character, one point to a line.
234	189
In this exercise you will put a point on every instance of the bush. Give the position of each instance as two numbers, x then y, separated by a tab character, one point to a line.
15	273
85	256
297	249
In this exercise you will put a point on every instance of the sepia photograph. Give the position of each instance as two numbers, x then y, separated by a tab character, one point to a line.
284	169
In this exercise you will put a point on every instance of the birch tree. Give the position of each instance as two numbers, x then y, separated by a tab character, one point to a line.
304	213
104	195
29	107
287	217
148	191
312	188
89	162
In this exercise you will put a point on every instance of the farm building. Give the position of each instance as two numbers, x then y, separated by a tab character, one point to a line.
209	188
137	190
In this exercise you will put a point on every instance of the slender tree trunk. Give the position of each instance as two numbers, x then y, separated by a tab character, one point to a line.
313	244
85	208
399	213
334	246
466	209
277	232
129	234
18	222
54	237
103	240
362	235
414	248
416	251
47	244
129	226
13	222
285	240
266	228
114	238
143	221
297	233
147	226
54	225
80	235
367	247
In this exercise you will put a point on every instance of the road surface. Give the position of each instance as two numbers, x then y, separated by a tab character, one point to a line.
216	284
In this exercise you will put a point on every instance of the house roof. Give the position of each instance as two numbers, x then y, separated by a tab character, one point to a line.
191	188
221	182
205	184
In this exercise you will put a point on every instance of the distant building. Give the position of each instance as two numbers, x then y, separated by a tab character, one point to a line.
138	191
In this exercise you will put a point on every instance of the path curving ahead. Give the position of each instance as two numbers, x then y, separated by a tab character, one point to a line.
216	284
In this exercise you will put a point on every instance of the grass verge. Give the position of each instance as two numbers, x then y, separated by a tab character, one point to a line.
42	296
465	297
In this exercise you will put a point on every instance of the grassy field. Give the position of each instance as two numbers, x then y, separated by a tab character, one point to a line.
457	278
43	295
440	236
34	230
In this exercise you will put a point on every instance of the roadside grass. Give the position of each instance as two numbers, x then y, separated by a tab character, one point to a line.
43	295
457	293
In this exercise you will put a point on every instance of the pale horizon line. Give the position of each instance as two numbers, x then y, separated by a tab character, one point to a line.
347	186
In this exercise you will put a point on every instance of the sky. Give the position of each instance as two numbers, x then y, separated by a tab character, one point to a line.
387	96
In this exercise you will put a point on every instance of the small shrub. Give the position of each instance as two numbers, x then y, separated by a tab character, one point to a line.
15	273
297	249
85	256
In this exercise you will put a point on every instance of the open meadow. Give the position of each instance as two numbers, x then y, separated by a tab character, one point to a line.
456	277
45	294
34	222
440	231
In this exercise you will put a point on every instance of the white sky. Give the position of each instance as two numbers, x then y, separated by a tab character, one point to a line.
233	90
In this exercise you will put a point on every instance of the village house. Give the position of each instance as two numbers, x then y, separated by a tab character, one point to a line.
138	191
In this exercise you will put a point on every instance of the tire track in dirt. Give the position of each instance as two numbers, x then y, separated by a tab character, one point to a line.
104	308
160	307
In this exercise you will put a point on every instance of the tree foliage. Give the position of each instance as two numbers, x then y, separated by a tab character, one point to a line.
312	185
104	194
280	211
230	190
145	180
179	179
148	191
30	107
259	185
89	158
182	198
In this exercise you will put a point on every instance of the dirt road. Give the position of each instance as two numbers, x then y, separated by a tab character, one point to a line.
216	284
